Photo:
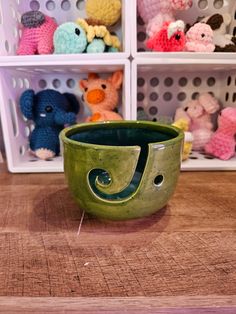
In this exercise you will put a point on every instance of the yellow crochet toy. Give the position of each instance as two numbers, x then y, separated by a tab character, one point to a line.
105	12
188	138
99	31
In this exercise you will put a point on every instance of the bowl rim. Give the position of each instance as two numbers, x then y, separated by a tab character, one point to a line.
65	133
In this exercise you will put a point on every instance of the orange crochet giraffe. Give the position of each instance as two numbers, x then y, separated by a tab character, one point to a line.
101	96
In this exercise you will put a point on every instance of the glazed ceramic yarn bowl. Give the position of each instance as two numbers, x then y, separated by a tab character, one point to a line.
122	170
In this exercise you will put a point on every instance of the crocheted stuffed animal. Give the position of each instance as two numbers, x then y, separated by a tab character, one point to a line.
199	38
223	142
37	34
156	12
103	12
101	96
99	38
50	111
170	38
70	38
198	114
219	24
188	137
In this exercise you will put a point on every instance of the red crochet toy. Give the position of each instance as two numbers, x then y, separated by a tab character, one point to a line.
170	38
222	143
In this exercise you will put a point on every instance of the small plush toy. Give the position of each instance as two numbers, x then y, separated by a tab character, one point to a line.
70	38
96	46
188	137
50	111
156	12
219	24
170	38
198	114
199	38
101	96
223	142
99	38
37	34
103	12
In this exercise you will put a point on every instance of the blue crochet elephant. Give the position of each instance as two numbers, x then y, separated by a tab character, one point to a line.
50	111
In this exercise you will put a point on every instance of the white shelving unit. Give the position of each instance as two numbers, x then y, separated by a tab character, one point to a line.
160	82
159	86
200	8
62	77
163	81
62	11
60	72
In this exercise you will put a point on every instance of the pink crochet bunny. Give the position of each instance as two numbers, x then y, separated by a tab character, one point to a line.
223	142
198	114
101	96
170	38
156	12
199	38
37	34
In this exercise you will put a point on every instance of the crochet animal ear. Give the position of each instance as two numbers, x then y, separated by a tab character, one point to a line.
209	103
116	79
27	103
74	105
215	21
83	84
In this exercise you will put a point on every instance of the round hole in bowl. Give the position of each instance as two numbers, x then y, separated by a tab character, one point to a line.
104	178
158	180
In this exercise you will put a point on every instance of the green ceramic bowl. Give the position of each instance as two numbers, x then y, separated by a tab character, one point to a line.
122	170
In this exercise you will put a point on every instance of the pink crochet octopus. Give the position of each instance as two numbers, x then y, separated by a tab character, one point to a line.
156	12
37	34
223	142
170	38
199	38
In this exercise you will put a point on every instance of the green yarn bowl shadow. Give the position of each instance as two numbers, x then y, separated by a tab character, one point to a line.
122	170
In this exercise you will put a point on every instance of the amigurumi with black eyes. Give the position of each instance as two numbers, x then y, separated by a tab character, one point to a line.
50	111
69	38
37	34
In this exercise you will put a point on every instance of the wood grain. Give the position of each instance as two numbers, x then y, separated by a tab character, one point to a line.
185	252
160	305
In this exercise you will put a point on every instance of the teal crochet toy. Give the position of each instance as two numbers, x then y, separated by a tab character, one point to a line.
81	37
96	46
99	37
69	38
72	38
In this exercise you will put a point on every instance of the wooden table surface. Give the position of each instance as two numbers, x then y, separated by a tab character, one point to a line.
180	260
